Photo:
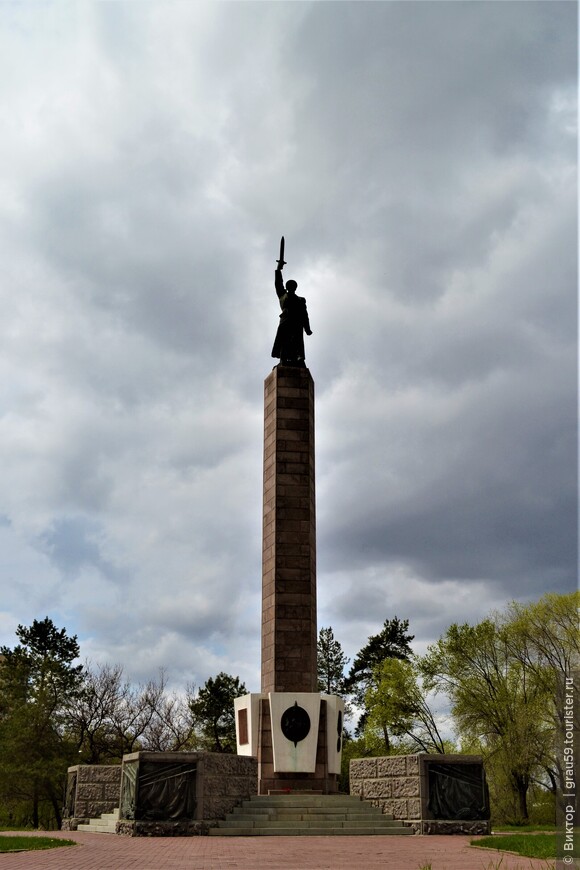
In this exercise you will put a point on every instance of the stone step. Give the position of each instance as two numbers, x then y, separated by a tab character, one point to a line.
336	818
300	816
304	808
305	800
95	828
316	812
352	810
307	823
273	831
105	824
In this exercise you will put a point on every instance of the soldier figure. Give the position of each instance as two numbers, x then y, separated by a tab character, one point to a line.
289	341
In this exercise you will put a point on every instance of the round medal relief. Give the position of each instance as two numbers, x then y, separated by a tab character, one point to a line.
295	723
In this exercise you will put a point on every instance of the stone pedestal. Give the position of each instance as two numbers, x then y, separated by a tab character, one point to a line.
91	790
295	733
433	794
167	793
310	763
160	794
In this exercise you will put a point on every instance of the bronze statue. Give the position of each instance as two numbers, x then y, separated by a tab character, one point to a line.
289	341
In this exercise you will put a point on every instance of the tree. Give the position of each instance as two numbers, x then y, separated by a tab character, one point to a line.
494	701
38	680
109	717
505	677
396	705
213	712
139	719
392	642
172	728
543	637
331	663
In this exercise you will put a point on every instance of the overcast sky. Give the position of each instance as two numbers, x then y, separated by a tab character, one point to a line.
420	159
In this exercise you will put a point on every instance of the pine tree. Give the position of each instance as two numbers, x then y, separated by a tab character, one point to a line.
331	663
213	712
392	642
37	682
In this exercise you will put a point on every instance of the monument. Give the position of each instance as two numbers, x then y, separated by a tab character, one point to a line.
289	735
294	731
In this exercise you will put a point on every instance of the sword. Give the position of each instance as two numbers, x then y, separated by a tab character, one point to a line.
281	262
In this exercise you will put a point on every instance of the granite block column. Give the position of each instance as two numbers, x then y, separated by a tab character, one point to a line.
289	632
293	730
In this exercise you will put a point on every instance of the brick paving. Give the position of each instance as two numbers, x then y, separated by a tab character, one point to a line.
110	852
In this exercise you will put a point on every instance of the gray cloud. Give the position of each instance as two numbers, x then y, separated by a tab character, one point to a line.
421	161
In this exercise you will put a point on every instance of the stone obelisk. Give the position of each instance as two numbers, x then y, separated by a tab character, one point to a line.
289	631
293	730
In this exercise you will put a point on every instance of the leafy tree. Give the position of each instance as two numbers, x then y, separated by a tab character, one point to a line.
546	634
331	663
396	706
37	682
504	678
392	642
543	637
494	701
213	712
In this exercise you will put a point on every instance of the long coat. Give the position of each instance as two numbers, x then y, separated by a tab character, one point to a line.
289	341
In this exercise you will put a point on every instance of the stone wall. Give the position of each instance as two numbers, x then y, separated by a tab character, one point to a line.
223	781
391	783
183	828
465	826
398	784
92	790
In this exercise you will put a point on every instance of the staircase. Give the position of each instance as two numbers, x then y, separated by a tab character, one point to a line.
107	824
299	815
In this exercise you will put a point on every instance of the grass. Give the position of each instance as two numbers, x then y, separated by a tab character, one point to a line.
493	865
522	829
528	845
15	843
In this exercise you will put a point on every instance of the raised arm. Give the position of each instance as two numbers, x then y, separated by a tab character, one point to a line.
278	282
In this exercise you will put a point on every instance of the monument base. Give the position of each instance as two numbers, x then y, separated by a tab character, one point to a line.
432	794
296	737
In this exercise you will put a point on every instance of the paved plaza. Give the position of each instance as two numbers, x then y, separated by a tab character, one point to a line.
110	852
